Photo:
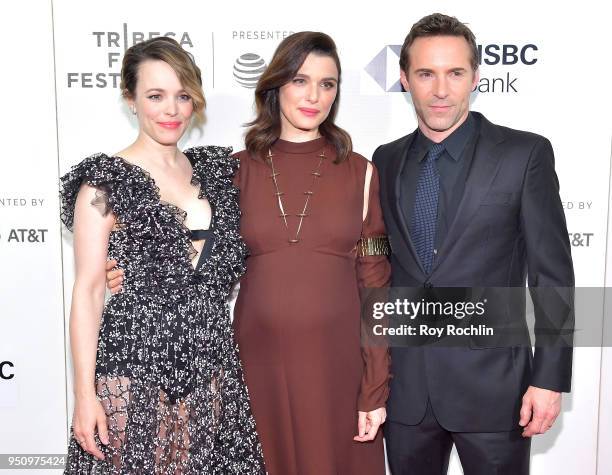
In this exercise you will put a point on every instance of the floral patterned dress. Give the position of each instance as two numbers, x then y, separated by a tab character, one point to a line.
167	367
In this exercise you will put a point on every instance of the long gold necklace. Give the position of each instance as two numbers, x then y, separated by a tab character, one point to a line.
279	195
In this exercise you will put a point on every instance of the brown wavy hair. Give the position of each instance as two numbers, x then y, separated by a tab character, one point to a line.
169	51
285	64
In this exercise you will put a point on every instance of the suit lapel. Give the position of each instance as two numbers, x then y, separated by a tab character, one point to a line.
400	218
482	171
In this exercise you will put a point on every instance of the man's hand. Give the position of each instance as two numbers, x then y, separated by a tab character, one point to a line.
368	424
539	410
114	278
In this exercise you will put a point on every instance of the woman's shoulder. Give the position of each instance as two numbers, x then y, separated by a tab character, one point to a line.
213	164
105	173
246	159
242	155
210	155
359	161
208	152
99	159
96	169
357	157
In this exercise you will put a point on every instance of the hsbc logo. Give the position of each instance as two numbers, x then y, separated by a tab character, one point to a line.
7	370
384	67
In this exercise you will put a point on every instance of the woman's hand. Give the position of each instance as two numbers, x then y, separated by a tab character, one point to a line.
114	278
368	424
88	416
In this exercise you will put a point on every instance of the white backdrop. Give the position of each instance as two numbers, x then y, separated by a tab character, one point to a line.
59	83
33	402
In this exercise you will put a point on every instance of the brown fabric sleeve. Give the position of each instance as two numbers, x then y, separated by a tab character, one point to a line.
373	272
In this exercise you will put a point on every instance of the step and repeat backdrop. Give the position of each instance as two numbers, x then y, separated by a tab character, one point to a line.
542	71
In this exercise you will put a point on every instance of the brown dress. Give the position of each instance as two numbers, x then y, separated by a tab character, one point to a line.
297	317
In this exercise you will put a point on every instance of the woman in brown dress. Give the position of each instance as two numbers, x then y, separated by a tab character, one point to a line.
309	205
312	221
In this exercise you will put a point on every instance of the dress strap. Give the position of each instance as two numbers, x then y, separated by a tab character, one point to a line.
207	236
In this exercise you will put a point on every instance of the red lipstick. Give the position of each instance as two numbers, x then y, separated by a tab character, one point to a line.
170	125
308	112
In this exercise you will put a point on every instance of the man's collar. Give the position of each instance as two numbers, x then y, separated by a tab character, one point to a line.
454	144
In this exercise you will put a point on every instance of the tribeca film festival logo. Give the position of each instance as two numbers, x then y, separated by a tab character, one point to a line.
384	67
114	44
248	68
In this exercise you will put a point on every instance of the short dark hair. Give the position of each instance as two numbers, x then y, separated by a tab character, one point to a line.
288	58
438	24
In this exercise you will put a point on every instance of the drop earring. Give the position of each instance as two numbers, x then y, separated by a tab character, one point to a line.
134	109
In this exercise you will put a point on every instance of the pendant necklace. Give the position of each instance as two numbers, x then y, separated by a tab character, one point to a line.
279	195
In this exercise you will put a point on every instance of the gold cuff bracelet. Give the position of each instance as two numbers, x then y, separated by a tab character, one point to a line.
373	246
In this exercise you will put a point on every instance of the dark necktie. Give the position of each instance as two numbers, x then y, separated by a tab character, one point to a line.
424	217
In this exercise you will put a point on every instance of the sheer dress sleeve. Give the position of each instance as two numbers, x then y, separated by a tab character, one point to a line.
98	171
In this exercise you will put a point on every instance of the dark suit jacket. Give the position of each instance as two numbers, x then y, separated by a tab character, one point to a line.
509	226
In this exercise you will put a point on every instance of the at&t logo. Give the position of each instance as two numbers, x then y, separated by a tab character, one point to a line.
248	68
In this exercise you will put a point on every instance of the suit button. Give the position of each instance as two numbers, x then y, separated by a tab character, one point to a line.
428	285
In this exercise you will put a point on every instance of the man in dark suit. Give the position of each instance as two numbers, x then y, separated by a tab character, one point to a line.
468	203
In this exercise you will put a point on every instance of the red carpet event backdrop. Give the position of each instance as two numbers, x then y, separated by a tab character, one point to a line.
544	69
